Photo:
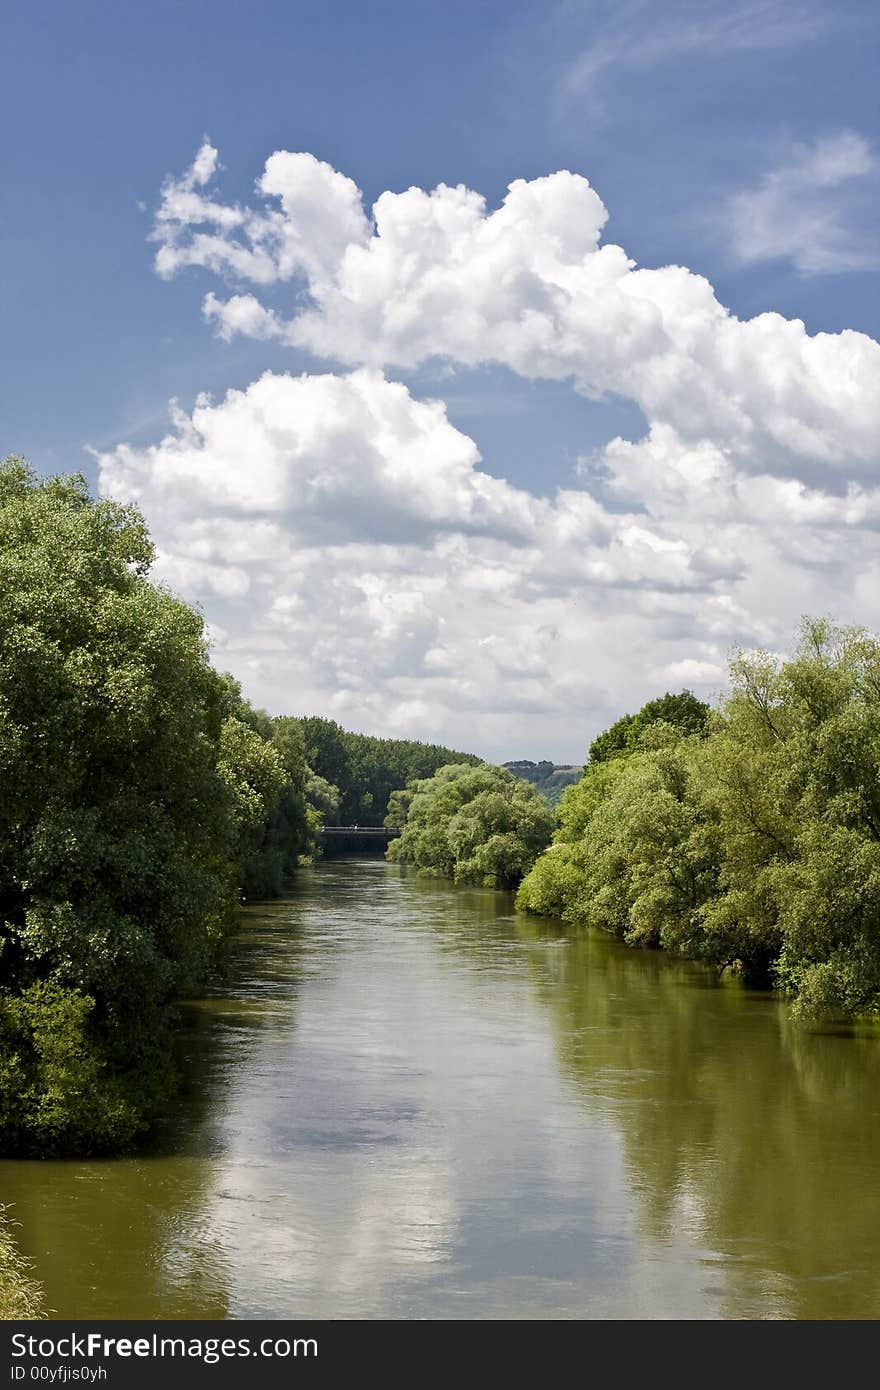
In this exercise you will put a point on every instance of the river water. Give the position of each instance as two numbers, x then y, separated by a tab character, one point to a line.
410	1102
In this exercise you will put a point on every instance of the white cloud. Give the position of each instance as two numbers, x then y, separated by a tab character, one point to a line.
530	286
806	210
353	559
642	35
241	314
334	460
320	215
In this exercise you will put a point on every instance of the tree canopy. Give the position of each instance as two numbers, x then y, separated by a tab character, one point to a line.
139	792
757	844
366	770
474	824
683	711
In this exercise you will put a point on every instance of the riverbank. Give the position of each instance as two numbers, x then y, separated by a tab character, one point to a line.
20	1295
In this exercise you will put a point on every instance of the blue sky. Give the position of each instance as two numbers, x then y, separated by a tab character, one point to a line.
716	137
107	99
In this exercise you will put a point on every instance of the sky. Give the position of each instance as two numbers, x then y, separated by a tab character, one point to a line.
482	369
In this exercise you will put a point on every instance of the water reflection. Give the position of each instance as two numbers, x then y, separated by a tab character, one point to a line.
408	1102
758	1140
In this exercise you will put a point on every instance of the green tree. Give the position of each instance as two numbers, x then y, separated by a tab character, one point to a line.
754	841
367	770
326	750
683	711
612	741
323	798
280	826
795	765
132	795
636	851
474	824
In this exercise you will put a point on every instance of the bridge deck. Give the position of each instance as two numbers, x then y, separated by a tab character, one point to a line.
368	831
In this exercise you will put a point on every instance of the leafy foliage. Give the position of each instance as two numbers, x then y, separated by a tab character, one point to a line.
474	824
758	844
366	770
683	711
139	792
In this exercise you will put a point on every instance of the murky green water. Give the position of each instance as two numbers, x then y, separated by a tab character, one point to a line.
412	1103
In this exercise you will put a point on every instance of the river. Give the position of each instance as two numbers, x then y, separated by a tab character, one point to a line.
409	1101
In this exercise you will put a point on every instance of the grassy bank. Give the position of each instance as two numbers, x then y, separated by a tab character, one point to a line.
20	1295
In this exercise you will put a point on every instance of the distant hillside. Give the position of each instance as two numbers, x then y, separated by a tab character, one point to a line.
550	779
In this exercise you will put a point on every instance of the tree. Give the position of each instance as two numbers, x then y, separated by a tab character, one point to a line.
133	793
472	824
367	770
795	775
612	741
326	750
753	840
285	818
683	711
636	853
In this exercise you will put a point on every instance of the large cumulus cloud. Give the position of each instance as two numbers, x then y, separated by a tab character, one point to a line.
328	459
532	286
353	558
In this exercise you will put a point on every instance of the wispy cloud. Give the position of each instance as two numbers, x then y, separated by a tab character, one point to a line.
811	209
642	35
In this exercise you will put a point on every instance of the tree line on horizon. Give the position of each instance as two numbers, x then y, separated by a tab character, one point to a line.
550	779
362	771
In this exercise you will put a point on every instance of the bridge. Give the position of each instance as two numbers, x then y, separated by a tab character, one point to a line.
342	839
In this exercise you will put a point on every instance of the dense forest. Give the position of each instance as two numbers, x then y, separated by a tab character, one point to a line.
361	772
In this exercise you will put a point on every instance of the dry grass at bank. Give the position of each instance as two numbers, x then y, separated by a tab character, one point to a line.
20	1295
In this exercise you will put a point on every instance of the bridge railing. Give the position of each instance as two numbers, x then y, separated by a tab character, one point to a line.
379	832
